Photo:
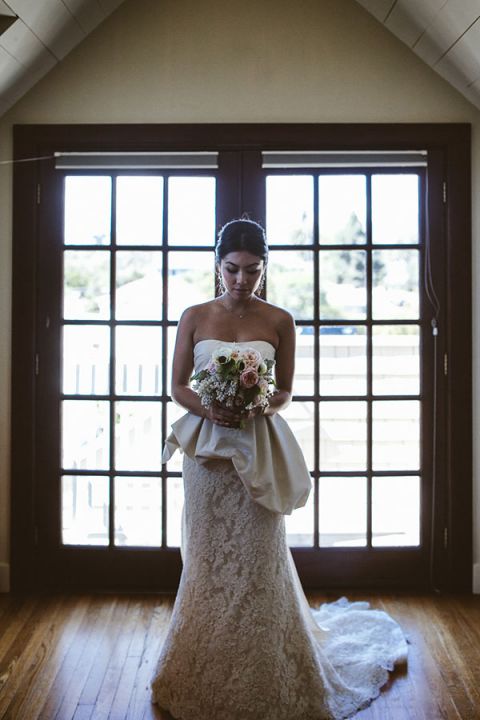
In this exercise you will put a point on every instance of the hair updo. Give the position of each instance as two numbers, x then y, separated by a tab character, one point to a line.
242	235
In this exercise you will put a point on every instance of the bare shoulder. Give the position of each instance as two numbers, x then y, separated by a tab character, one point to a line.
194	313
280	318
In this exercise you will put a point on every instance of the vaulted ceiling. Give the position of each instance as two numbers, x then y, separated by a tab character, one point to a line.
37	34
445	34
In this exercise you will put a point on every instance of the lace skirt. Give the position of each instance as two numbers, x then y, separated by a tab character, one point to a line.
242	643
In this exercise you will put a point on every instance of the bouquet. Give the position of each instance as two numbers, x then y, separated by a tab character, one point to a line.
236	377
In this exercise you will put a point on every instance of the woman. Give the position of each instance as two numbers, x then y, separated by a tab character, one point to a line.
243	643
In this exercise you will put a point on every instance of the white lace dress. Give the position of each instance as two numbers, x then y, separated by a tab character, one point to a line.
243	643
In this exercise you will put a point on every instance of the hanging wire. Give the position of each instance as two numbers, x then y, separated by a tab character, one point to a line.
26	160
428	278
435	303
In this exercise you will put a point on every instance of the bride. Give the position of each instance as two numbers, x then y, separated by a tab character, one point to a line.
243	643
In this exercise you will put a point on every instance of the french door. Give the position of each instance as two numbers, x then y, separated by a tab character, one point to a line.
355	255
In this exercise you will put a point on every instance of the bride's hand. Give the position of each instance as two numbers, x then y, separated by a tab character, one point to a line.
250	414
224	416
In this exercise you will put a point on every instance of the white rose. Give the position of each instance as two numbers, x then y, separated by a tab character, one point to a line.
222	355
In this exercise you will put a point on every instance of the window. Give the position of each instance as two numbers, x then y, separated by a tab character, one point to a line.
136	251
347	248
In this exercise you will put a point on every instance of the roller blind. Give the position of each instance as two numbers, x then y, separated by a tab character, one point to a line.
297	159
136	161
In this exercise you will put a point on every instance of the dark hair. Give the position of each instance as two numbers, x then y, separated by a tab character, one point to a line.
242	235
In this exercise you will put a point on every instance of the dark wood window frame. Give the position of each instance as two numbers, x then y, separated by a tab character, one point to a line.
449	208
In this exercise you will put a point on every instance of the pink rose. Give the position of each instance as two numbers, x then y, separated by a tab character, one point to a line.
251	357
249	377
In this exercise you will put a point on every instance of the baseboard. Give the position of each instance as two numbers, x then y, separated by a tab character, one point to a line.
476	579
5	577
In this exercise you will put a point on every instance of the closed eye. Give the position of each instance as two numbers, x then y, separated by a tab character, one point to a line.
249	272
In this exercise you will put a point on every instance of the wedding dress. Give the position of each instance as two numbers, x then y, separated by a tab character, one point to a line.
243	643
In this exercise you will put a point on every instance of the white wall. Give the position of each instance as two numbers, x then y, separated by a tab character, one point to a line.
225	61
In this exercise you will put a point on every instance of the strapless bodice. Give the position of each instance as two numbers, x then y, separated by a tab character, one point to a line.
265	453
203	349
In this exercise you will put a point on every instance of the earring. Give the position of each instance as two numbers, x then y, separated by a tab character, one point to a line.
220	284
259	290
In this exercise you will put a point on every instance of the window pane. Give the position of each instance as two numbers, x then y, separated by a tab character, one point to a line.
137	435
395	284
396	360
86	285
87	210
343	284
299	525
175	499
138	357
191	211
342	507
138	511
343	435
343	360
395	209
85	501
85	436
190	280
395	511
303	379
290	281
86	360
299	416
396	435
289	209
138	285
342	209
139	210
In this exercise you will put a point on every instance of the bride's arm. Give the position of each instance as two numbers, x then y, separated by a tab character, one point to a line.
182	368
284	366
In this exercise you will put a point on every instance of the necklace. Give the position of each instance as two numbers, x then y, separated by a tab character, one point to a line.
238	315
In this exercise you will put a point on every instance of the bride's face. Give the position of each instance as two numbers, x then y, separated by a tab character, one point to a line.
241	273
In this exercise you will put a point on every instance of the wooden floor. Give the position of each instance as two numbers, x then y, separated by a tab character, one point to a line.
91	656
